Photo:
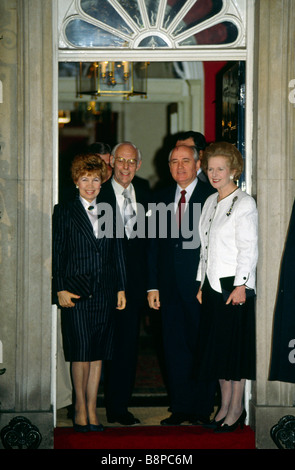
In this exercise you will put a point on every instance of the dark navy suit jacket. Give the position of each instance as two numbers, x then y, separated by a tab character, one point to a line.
171	266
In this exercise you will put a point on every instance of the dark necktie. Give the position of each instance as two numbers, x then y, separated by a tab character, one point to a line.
93	216
181	206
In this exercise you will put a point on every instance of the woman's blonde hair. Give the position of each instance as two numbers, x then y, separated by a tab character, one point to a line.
88	163
227	150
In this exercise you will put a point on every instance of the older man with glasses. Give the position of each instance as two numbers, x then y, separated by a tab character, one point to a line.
125	191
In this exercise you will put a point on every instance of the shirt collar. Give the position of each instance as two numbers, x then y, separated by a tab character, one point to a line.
87	204
189	189
118	188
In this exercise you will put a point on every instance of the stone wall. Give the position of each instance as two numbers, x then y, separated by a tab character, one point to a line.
26	132
274	152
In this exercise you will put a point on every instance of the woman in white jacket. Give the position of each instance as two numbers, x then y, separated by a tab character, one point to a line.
229	253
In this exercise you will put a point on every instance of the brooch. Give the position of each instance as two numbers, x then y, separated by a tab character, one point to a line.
232	204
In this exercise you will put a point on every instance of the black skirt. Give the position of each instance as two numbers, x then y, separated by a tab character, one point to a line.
88	330
226	343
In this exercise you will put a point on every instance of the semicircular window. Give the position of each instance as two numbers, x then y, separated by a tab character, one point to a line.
83	34
222	33
154	23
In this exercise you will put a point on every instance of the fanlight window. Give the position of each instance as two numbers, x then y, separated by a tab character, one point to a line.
151	24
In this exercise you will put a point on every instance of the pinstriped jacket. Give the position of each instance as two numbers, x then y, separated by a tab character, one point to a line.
77	252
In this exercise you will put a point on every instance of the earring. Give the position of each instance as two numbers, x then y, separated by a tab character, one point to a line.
77	186
231	177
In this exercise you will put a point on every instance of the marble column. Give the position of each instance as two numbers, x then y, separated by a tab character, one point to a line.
273	154
26	205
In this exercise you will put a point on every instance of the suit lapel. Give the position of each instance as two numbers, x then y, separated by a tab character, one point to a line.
189	213
82	222
107	195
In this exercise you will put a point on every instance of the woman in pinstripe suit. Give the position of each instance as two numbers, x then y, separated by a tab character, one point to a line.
89	280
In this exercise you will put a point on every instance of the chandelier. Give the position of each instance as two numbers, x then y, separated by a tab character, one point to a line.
112	78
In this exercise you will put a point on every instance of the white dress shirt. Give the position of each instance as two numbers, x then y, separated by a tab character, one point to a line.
189	191
118	188
92	213
229	240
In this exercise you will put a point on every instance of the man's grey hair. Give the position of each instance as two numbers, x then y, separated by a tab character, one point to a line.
138	152
194	150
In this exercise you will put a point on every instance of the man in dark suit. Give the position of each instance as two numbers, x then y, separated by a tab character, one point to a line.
197	140
120	372
104	152
173	263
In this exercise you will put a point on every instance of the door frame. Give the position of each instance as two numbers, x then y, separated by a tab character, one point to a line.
221	54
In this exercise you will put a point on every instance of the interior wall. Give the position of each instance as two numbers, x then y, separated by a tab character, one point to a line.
145	121
145	124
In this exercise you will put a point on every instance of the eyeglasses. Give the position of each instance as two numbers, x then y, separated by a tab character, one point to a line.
120	160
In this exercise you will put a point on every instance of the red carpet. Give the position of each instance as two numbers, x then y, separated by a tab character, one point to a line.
154	437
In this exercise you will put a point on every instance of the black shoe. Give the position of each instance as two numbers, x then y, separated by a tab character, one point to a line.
175	419
214	424
230	428
79	427
200	420
127	419
95	427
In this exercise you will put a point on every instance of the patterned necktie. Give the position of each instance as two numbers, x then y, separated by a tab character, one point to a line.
181	206
128	212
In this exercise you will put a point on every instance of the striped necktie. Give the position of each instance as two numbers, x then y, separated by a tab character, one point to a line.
128	212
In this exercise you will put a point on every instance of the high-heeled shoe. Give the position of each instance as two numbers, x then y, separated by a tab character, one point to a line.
230	428
214	424
95	427
79	427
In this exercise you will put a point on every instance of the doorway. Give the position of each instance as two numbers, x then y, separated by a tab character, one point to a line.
150	123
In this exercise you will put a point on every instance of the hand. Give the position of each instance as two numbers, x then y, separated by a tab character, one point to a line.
65	298
237	296
121	300
199	296
153	298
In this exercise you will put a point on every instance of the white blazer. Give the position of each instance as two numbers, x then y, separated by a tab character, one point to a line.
229	240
